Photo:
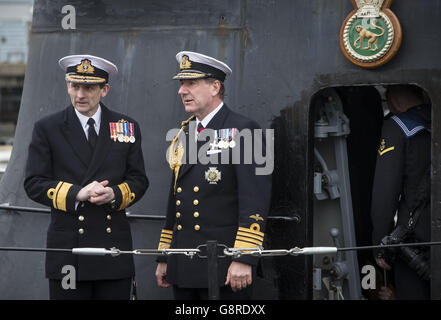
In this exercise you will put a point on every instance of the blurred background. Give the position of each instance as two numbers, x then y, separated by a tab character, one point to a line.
15	26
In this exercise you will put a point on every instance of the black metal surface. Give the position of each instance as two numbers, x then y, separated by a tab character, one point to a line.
212	270
36	249
23	209
281	52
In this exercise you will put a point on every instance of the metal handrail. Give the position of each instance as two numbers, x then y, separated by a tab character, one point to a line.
8	207
129	215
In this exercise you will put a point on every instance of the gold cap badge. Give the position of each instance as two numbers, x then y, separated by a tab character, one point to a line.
185	63
85	67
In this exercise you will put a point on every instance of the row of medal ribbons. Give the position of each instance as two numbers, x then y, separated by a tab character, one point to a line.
225	137
122	131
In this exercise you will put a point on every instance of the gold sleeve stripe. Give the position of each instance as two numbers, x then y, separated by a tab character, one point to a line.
385	150
243	244
163	245
249	237
123	194
61	195
166	239
244	234
127	195
52	194
249	240
252	231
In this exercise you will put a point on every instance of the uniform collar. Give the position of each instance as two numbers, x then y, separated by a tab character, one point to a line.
210	116
83	119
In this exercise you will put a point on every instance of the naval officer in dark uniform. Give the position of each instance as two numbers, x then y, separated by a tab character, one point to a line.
85	162
222	201
402	186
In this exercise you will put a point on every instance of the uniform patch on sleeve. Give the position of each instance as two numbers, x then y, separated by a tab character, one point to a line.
58	195
166	239
250	237
383	148
127	195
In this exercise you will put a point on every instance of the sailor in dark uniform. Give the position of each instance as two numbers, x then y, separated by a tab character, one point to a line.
219	200
86	163
402	186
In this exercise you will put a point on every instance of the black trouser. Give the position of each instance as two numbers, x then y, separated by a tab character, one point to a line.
225	293
118	289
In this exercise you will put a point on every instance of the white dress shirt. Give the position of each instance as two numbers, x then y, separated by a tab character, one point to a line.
208	118
83	119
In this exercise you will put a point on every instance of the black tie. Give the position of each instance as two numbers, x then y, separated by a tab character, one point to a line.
92	133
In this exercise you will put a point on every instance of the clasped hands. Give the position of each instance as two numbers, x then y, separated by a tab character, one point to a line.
239	275
97	193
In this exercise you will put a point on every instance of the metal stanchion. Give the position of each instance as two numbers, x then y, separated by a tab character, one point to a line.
213	286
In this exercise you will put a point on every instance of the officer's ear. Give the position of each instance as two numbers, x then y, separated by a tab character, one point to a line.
216	85
104	89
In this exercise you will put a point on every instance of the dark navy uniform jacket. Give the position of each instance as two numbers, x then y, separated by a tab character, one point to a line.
402	160
60	163
231	208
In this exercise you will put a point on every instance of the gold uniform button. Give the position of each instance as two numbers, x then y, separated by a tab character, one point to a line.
196	214
179	189
179	227
196	202
109	217
197	227
178	214
81	218
81	231
196	189
108	230
178	202
82	205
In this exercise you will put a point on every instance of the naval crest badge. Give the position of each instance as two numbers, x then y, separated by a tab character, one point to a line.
185	63
371	34
85	67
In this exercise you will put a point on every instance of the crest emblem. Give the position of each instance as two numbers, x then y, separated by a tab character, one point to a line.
212	175
371	34
85	67
382	145
185	63
256	217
